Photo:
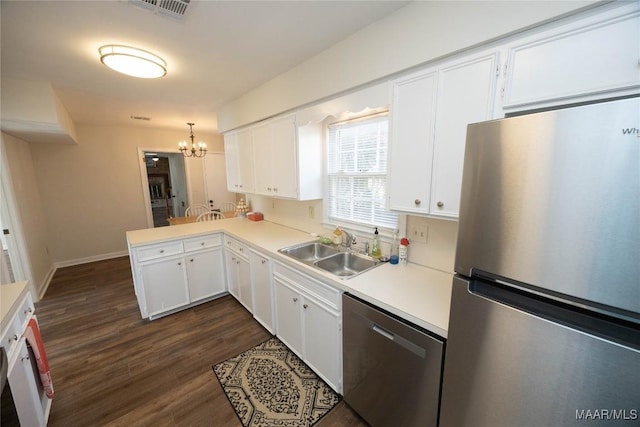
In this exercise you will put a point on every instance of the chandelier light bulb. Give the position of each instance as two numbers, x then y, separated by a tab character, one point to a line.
192	152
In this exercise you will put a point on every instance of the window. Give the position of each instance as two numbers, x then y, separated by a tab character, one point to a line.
357	173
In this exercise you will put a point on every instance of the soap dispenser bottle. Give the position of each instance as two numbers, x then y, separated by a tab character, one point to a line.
375	246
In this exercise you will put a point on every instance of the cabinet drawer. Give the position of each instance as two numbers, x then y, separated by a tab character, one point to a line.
24	312
319	290
202	242
159	250
236	246
11	336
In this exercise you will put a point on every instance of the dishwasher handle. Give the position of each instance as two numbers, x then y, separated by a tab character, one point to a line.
400	340
388	335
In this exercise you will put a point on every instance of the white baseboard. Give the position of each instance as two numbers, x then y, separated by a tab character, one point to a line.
46	282
78	261
70	263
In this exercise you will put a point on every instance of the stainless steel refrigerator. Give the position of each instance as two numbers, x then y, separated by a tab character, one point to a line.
545	313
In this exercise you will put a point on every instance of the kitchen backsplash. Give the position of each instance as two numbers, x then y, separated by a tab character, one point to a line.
438	252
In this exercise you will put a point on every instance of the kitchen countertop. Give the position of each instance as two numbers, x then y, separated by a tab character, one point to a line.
10	296
418	294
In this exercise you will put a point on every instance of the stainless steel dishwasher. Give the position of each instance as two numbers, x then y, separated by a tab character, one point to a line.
392	369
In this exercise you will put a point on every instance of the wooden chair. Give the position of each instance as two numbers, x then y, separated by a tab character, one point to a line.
195	210
209	216
228	207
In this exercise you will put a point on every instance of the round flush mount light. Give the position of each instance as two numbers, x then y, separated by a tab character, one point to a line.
132	61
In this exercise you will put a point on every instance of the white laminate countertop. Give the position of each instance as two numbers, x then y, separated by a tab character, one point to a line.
10	296
418	294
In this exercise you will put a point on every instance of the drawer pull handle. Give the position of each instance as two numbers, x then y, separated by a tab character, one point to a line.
179	263
191	260
13	338
417	202
264	261
161	251
295	299
28	310
305	305
23	358
202	244
440	204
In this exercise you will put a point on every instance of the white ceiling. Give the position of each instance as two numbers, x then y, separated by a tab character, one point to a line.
215	53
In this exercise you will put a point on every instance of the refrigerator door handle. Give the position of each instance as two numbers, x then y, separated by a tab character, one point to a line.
609	328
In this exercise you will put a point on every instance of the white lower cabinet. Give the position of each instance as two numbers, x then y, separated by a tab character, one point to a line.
32	405
238	271
262	289
203	274
308	321
165	285
176	274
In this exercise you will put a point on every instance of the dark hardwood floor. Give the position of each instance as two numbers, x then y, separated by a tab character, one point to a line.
111	367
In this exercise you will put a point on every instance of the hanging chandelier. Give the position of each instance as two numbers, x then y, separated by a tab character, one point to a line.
192	152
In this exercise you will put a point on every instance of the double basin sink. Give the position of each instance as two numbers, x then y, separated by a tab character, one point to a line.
330	258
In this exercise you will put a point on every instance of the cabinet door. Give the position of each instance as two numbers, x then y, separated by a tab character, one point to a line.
288	316
244	283
466	93
245	162
205	274
411	146
284	157
262	290
165	285
232	160
30	407
597	57
262	163
231	260
323	342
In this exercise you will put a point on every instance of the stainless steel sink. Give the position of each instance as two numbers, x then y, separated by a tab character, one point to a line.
346	264
309	252
342	263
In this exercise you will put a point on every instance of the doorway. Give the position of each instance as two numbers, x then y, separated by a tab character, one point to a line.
165	178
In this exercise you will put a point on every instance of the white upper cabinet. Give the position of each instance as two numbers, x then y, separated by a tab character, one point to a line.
238	153
466	93
411	151
285	159
593	58
274	158
430	112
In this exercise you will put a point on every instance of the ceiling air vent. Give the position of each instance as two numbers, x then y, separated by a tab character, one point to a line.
174	8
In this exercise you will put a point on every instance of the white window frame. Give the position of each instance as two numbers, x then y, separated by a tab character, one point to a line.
358	226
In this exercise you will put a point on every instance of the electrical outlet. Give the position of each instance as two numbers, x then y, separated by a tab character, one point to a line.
311	213
418	233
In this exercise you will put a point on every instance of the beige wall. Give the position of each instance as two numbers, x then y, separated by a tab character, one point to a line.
29	209
91	192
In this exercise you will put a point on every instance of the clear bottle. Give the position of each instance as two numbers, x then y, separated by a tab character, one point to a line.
393	255
375	246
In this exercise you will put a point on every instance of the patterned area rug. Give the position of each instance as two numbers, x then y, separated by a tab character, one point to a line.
268	385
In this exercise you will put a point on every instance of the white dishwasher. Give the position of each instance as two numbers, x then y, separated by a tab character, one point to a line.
392	369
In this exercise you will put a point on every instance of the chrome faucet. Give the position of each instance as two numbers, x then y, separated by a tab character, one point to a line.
349	240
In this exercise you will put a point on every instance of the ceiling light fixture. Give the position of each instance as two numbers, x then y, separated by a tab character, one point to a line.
202	147
132	62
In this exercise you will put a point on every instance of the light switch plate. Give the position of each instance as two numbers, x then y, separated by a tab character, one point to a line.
418	233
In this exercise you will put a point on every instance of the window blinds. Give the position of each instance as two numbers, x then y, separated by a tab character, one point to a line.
357	172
